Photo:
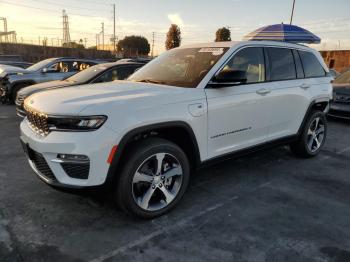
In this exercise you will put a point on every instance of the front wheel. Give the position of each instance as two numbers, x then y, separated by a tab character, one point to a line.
312	137
154	178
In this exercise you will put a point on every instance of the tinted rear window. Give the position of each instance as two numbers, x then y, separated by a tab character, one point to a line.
311	65
282	65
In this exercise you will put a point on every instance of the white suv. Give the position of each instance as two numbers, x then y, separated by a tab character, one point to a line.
191	105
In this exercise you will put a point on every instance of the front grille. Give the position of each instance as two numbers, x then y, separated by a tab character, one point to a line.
37	121
41	165
77	170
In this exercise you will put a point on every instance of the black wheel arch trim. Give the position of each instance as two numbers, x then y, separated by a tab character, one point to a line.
123	142
309	110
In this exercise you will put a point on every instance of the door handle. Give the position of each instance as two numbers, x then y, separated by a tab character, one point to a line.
263	91
305	86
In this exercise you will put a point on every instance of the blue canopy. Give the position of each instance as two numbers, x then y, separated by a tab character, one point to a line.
285	33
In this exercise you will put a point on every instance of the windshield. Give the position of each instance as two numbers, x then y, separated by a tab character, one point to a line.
184	67
343	78
40	64
87	74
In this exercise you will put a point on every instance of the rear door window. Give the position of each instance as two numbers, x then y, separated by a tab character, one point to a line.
281	63
311	65
125	72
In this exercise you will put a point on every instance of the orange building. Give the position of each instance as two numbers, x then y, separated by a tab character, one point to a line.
337	59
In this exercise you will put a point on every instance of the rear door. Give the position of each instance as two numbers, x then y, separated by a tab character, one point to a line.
288	100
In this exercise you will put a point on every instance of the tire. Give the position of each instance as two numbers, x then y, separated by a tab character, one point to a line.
312	137
146	189
15	90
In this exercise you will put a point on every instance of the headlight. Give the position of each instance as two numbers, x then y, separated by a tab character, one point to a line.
84	123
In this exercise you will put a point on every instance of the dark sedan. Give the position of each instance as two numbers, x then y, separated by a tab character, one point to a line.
340	107
96	74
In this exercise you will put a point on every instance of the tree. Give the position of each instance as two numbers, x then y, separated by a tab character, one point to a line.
223	34
133	46
173	37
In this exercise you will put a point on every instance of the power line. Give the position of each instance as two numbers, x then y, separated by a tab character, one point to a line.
70	6
45	9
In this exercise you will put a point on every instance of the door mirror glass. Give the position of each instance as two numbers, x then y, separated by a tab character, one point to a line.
231	76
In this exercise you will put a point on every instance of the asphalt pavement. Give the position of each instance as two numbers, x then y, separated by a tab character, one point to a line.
269	206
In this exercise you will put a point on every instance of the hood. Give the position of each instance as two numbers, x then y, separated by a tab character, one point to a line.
109	97
342	88
8	70
27	91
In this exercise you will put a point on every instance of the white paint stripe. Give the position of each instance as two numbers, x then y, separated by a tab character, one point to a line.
159	232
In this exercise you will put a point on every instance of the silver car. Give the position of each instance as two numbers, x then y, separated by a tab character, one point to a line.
12	79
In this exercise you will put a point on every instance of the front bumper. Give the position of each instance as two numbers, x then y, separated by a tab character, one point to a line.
96	145
339	110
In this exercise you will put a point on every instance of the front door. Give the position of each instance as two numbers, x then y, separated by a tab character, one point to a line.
238	115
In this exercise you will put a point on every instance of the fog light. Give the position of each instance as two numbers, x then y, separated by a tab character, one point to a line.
69	157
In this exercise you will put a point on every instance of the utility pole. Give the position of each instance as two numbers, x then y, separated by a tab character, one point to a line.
153	35
114	47
97	41
103	35
85	40
66	34
291	17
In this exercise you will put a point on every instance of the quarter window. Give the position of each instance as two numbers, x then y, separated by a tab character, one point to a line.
251	61
312	66
282	65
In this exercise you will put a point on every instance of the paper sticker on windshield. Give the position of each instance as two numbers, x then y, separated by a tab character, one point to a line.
213	50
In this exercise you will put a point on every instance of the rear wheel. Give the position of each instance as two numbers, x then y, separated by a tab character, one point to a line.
154	178
313	136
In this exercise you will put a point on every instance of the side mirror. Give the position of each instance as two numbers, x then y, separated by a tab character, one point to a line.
228	78
44	70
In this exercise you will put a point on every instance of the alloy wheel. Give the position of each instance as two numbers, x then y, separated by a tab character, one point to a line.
315	134
157	181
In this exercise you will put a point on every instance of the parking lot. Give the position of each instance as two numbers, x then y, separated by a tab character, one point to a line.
269	206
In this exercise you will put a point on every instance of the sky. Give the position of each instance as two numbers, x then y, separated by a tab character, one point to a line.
198	19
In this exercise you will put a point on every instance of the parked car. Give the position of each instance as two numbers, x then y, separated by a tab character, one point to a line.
334	73
190	106
136	60
13	60
340	106
96	74
12	79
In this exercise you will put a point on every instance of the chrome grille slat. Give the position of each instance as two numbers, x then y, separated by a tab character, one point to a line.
37	121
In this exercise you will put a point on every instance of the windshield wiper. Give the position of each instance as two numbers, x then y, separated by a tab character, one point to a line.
151	81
